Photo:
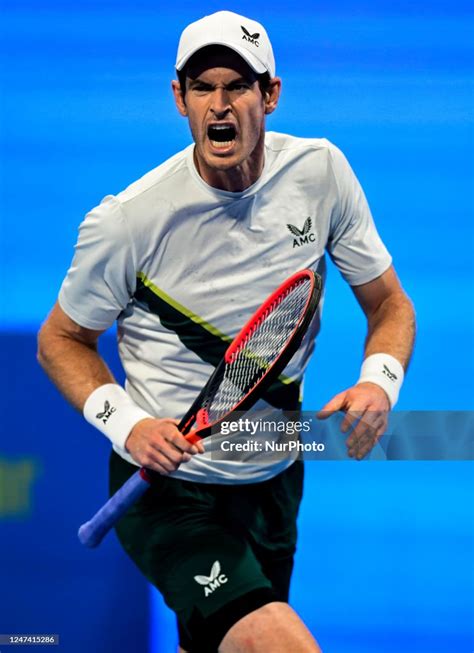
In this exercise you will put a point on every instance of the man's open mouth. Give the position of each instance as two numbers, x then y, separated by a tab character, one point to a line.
221	135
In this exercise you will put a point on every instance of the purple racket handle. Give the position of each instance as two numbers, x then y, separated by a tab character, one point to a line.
93	532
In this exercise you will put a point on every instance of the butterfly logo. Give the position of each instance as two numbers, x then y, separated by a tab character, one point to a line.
301	232
302	236
391	375
213	581
107	412
252	38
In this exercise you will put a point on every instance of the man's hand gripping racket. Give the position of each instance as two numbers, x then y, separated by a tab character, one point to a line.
256	356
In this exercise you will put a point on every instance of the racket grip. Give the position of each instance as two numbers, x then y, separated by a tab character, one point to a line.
93	532
193	437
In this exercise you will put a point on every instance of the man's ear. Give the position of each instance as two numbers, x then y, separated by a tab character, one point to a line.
179	98
272	95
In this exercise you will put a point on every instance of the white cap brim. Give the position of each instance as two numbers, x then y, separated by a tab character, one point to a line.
247	56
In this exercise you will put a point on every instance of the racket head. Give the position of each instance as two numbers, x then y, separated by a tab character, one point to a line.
257	355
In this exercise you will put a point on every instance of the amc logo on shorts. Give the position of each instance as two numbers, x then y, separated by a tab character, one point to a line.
213	581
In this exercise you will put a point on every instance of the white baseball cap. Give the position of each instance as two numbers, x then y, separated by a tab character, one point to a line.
243	35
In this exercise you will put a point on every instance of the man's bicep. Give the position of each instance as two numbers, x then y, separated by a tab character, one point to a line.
371	295
59	324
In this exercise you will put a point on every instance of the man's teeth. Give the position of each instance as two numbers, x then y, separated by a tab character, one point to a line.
221	143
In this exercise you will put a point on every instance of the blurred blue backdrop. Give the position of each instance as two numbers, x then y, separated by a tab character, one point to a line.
386	549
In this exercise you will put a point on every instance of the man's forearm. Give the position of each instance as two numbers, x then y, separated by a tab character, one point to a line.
391	329
74	367
68	354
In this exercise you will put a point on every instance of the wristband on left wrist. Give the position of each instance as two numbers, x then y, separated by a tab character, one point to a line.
385	371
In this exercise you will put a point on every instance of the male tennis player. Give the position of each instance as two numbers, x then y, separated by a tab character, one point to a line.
181	259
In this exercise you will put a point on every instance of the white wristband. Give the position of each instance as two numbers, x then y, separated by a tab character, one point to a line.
113	412
385	371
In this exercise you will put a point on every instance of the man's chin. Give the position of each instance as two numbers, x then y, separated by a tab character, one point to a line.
215	148
224	164
221	161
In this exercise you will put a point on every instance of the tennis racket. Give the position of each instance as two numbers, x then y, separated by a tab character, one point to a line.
256	356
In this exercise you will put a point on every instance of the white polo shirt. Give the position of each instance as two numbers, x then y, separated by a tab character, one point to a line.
181	266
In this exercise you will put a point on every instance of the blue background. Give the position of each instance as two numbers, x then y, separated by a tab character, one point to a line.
386	549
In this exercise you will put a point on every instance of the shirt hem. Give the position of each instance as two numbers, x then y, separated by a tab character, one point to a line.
369	276
214	478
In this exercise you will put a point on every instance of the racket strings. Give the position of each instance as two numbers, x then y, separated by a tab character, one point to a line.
261	347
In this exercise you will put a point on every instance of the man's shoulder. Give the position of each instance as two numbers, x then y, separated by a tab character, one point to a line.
309	156
279	142
166	174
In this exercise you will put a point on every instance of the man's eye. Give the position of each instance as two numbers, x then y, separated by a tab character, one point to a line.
241	86
201	88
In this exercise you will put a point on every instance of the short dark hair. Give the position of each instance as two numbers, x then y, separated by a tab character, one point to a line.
264	82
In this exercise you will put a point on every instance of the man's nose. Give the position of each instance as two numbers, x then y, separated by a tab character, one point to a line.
220	104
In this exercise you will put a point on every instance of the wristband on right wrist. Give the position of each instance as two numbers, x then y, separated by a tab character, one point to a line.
385	371
111	410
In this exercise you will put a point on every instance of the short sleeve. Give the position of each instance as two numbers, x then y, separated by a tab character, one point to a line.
102	276
354	244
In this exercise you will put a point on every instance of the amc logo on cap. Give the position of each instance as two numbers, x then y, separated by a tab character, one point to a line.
251	38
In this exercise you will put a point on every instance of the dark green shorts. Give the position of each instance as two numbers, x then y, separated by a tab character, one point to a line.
215	552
